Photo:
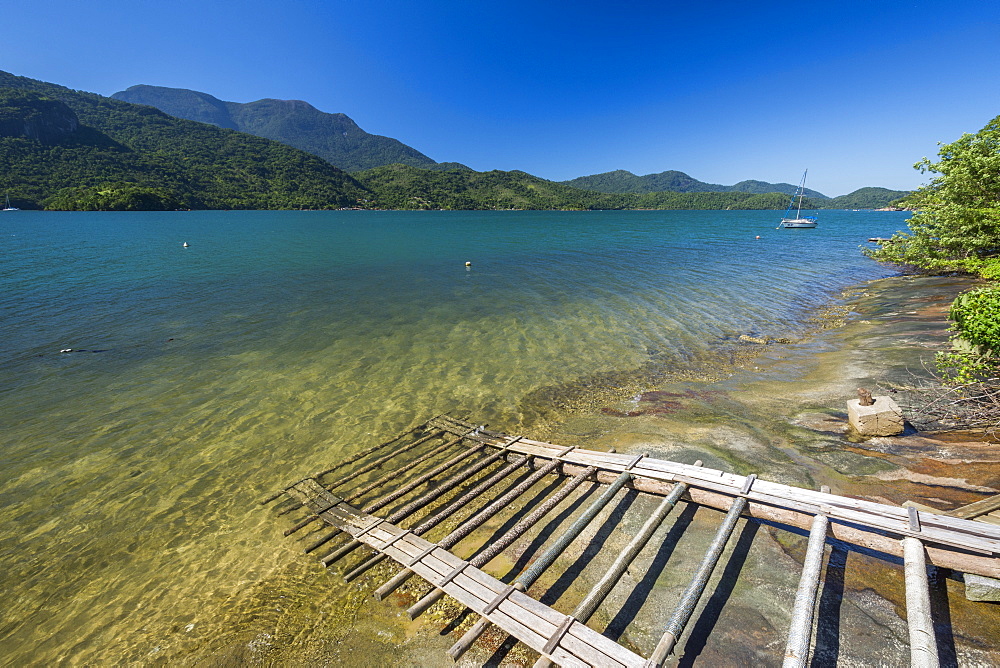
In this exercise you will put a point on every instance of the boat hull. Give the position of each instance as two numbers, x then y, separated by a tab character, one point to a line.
798	222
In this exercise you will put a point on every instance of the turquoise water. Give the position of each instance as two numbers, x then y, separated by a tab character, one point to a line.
201	378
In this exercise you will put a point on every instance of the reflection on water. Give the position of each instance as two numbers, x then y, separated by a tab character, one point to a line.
197	379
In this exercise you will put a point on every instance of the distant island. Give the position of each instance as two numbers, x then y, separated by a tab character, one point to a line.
153	148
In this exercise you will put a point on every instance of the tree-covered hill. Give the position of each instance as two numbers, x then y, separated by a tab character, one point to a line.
405	187
118	147
866	198
334	137
622	181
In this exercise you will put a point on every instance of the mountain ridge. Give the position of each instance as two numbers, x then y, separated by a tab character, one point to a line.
335	137
622	181
67	149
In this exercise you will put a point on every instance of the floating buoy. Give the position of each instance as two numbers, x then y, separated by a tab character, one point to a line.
185	244
468	264
758	236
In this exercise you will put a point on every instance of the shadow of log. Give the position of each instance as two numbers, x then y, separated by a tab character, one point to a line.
568	576
543	535
529	505
723	590
626	614
827	647
941	614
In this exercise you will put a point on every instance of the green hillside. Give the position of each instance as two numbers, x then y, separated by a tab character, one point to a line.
404	187
334	137
622	181
65	149
866	198
61	148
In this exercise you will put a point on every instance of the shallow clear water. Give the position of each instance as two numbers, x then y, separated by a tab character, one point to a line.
201	378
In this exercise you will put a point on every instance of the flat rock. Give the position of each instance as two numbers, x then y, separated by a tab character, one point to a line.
981	588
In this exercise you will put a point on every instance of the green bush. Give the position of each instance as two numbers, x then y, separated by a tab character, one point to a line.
976	318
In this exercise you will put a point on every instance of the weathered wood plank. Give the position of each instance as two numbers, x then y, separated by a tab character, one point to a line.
518	614
977	508
878	516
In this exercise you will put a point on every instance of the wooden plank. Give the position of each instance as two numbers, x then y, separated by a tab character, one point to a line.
479	589
977	508
884	517
991	519
521	616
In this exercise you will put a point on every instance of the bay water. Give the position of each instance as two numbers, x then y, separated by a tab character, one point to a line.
151	392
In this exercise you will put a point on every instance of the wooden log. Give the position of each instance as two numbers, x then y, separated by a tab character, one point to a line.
588	606
489	511
382	460
347	462
529	576
370	466
803	611
505	541
416	504
440	516
923	644
689	599
420	480
800	515
394	475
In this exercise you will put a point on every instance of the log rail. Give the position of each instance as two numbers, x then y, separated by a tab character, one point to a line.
491	459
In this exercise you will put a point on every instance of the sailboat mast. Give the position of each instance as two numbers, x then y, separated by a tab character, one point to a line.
802	192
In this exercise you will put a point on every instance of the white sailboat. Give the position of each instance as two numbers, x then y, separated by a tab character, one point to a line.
799	220
9	207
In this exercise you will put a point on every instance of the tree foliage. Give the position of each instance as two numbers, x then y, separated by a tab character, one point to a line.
956	226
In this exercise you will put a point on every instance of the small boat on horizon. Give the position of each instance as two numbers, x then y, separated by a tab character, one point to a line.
8	207
799	220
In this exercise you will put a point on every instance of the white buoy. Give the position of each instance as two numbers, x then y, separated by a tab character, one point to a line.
185	244
468	264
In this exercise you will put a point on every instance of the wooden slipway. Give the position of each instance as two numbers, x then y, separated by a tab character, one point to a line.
389	496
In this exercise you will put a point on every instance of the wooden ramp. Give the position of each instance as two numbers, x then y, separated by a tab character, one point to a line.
429	475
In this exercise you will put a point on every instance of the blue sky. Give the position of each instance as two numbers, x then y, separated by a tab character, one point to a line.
724	91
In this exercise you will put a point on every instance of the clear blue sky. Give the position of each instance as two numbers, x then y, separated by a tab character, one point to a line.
725	91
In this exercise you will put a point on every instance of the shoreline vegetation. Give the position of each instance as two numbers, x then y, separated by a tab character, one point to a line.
956	230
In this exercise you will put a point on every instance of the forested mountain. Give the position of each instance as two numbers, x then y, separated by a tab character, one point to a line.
66	149
622	181
69	149
334	137
866	198
404	187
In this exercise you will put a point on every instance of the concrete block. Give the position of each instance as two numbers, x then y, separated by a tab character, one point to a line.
883	418
980	588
